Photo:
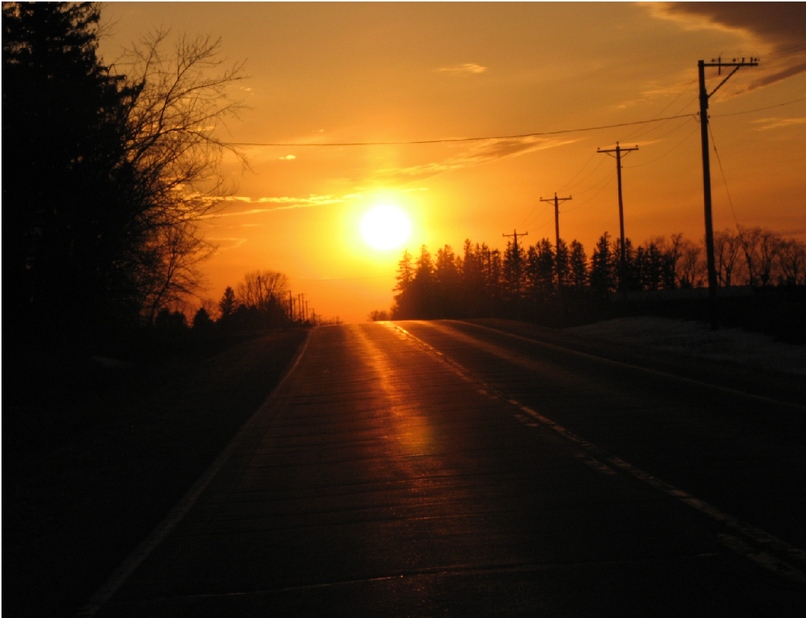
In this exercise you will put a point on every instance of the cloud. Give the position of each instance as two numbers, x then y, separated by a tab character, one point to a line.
779	26
469	68
778	123
225	244
478	154
279	203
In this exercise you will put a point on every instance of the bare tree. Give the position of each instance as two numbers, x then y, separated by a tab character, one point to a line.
727	248
691	269
182	101
262	288
792	262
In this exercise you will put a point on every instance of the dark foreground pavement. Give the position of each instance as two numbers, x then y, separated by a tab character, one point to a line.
381	480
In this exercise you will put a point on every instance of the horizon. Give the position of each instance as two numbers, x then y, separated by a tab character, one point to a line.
467	116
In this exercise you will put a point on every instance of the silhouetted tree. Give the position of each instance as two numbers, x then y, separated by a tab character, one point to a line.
602	277
626	271
562	263
541	269
447	283
182	99
578	266
228	303
792	259
65	176
691	268
201	321
514	269
474	297
263	291
105	175
403	300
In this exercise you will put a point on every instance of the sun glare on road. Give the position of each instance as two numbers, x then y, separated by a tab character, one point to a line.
385	227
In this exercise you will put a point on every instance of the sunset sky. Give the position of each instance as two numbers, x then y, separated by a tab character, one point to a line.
547	83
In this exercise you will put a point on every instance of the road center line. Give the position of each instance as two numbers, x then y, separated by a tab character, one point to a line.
739	528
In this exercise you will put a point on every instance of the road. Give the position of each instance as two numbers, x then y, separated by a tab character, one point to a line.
443	468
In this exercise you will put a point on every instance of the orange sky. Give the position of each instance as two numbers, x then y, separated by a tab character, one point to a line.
387	72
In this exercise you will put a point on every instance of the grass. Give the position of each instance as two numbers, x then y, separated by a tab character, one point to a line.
94	457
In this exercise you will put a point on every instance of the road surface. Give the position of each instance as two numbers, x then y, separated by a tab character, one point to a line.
446	469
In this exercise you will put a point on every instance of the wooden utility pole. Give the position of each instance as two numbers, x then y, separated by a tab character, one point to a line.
557	201
514	235
706	170
619	150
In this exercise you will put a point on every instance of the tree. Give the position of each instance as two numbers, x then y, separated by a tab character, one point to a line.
66	180
562	263
473	293
263	292
202	321
514	267
726	252
541	269
110	172
578	266
602	274
228	303
691	269
792	259
405	278
182	98
447	272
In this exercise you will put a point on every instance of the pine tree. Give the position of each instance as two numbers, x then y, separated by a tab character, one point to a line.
65	177
228	303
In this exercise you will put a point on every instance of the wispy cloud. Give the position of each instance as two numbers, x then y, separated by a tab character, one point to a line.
765	124
274	204
226	244
468	68
477	154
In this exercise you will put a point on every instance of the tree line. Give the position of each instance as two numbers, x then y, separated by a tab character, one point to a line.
527	280
262	300
108	170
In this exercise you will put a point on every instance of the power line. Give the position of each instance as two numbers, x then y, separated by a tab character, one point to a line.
456	140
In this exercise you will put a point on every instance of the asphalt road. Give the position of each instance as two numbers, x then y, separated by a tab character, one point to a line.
445	469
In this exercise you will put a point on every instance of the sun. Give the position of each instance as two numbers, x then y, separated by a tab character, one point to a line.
385	227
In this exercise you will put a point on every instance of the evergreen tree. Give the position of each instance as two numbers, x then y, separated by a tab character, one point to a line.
228	303
562	263
403	301
602	275
578	266
514	269
447	281
65	176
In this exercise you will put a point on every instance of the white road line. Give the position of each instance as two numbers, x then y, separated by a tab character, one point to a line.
743	530
164	528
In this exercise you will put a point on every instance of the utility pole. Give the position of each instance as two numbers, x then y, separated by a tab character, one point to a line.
618	150
557	201
706	169
301	307
517	254
515	236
